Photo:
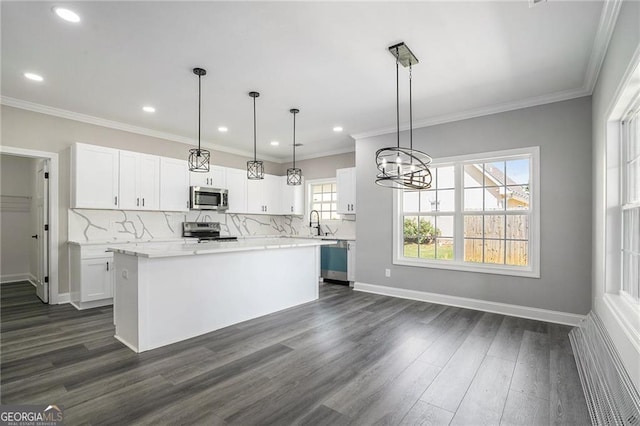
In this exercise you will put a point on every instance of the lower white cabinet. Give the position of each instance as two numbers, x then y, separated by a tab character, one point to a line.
91	276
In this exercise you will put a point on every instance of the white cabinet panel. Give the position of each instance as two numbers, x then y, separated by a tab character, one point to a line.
346	187
351	261
236	181
174	185
97	279
214	178
128	181
263	196
91	276
292	198
149	182
139	178
94	177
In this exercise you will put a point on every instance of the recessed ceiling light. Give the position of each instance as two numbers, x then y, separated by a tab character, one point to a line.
66	14
222	129
32	76
337	129
275	143
148	109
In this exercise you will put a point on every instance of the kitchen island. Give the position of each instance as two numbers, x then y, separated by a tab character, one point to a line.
166	293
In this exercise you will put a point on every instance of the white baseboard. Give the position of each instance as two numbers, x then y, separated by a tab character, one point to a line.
64	298
476	304
14	278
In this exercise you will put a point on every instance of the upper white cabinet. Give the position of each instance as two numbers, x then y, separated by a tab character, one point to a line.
346	186
94	177
214	178
139	177
263	196
292	202
174	184
236	180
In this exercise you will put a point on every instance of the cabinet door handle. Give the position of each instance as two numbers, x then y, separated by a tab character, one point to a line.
116	200
291	209
107	266
142	202
137	201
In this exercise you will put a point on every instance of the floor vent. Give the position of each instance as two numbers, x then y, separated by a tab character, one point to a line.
611	397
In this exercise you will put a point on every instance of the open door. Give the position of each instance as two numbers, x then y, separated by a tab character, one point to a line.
42	236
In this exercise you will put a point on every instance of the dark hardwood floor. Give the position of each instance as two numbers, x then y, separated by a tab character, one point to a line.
348	358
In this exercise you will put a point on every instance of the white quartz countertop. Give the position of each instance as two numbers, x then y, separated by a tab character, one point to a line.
132	241
173	249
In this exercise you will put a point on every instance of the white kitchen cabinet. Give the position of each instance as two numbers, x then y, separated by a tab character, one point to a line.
94	177
351	261
139	181
292	202
346	187
91	276
236	181
174	184
263	196
214	178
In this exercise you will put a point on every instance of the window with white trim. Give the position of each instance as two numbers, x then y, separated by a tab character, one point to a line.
630	184
481	214
324	199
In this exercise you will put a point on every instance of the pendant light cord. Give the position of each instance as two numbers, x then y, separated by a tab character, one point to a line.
199	109
397	98
254	130
410	113
294	140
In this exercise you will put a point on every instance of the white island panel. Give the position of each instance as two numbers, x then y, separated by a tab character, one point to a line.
163	300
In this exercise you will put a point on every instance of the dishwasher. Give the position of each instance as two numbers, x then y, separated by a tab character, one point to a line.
333	261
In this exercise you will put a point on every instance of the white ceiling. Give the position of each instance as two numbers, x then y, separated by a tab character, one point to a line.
329	59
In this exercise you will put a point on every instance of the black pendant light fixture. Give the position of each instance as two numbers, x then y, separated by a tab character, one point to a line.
399	167
198	157
294	175
255	168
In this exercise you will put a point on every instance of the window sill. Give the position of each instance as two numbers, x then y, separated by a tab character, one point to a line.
465	267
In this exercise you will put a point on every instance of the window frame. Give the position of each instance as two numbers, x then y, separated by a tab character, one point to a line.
309	196
625	136
458	263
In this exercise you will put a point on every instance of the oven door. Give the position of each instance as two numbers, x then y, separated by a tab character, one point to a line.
205	198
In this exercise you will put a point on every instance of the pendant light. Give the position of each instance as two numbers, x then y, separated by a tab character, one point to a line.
255	168
294	175
400	167
198	157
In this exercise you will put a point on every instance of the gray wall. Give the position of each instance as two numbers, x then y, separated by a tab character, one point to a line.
323	167
563	132
624	43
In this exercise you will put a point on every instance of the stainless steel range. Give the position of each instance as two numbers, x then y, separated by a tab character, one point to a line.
204	231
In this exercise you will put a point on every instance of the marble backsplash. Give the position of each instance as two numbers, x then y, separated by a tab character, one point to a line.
121	225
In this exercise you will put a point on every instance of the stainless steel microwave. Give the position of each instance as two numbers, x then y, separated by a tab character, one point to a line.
201	198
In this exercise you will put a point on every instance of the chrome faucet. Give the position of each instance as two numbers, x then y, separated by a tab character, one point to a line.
317	222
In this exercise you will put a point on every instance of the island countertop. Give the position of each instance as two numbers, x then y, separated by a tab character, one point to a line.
174	249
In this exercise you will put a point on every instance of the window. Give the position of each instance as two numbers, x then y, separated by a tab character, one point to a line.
480	215
324	199
630	184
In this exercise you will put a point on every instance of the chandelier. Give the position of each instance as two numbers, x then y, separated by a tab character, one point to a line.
198	157
401	167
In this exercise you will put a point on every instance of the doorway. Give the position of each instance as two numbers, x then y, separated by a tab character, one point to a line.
40	205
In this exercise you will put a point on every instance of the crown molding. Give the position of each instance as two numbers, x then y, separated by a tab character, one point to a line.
607	24
97	121
482	111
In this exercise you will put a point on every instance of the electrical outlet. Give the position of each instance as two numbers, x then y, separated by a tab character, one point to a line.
387	273
125	274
